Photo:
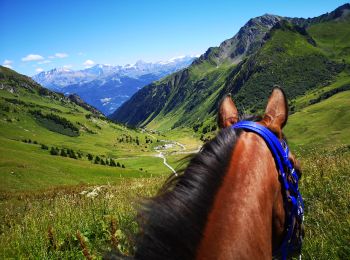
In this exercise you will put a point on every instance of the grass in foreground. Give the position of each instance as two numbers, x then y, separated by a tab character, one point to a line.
55	224
325	186
46	225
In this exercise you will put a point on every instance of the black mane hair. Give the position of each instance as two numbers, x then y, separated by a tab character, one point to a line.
172	223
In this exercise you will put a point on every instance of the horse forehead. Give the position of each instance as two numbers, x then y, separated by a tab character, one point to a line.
252	151
251	142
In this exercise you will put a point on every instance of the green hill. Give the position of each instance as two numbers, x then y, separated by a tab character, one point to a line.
48	140
326	123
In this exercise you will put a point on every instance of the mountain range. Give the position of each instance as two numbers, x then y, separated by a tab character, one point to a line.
301	55
106	87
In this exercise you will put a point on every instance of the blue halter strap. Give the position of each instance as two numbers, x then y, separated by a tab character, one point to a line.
294	214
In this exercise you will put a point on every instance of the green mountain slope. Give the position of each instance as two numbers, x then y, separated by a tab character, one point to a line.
326	123
48	140
290	58
300	59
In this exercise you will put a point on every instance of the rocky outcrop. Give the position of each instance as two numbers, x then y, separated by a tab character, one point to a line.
246	41
77	100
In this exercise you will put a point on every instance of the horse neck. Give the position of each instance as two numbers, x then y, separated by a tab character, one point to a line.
247	214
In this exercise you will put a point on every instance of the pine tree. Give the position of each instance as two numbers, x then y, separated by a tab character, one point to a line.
72	154
118	164
90	157
53	151
63	153
112	163
102	162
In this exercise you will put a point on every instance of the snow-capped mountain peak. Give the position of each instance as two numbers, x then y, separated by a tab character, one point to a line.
102	81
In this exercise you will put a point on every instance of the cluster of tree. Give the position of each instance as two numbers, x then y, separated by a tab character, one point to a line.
148	140
136	140
65	153
29	141
57	119
128	139
329	93
107	161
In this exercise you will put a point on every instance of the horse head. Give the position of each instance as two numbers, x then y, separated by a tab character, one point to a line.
235	199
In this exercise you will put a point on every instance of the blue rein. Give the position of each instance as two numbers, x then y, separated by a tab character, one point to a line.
293	240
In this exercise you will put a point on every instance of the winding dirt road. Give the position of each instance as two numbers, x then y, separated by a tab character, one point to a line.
161	151
161	155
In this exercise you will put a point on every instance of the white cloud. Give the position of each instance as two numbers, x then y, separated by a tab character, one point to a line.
32	57
7	64
88	63
105	100
61	55
39	70
44	62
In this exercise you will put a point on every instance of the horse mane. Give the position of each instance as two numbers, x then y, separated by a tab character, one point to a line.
172	222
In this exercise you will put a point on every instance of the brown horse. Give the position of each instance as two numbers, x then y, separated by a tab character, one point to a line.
228	203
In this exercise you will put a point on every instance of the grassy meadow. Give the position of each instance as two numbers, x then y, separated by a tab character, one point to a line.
60	194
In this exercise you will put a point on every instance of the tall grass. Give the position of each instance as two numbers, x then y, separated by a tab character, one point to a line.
325	186
76	223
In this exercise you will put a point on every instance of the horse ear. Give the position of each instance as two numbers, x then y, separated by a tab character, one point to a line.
228	114
276	112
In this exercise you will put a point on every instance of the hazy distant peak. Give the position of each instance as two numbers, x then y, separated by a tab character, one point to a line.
103	82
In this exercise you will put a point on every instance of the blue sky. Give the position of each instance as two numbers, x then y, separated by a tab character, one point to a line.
41	35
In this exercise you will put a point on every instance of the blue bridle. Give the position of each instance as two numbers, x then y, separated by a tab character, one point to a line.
292	241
